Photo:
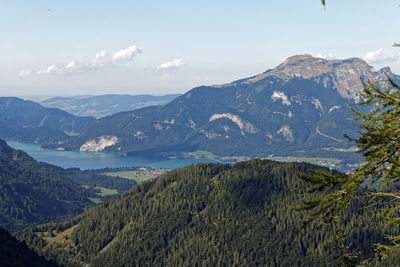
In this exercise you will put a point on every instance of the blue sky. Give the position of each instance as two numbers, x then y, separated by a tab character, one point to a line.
160	47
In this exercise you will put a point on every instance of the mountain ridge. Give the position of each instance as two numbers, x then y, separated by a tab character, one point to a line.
105	105
28	121
307	67
298	108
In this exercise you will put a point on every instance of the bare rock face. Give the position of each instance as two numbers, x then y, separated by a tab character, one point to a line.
100	144
344	75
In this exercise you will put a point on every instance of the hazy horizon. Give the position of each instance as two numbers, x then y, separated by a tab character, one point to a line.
121	47
39	98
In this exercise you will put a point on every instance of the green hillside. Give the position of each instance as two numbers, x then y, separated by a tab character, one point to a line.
32	192
204	215
14	253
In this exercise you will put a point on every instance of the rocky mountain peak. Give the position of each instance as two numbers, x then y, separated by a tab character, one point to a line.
343	75
293	60
385	70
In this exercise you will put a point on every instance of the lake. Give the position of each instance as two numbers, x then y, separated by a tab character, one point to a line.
97	160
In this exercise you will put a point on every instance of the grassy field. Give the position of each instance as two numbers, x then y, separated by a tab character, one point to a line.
60	239
207	154
140	175
199	154
104	192
95	200
326	162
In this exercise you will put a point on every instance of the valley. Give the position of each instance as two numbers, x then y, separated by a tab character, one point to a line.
173	184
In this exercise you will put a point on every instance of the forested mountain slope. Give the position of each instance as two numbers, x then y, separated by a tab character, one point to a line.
205	214
32	192
17	254
28	121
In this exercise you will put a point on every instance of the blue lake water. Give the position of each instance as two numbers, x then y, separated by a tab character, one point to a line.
97	160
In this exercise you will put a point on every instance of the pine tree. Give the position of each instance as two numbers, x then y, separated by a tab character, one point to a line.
379	144
379	171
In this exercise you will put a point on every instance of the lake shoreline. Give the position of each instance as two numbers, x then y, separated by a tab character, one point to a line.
98	160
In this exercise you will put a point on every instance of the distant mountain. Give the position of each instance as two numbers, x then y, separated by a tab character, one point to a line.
32	192
105	105
15	253
28	121
298	109
205	215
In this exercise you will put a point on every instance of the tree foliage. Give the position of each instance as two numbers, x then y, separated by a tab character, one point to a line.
14	253
379	144
204	215
32	192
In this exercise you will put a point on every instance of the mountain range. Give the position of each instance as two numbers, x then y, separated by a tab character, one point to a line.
204	214
104	105
28	121
298	108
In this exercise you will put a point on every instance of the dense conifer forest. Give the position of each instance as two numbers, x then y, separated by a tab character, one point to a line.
205	214
33	192
14	253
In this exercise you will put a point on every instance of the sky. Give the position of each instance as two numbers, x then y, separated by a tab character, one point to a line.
155	47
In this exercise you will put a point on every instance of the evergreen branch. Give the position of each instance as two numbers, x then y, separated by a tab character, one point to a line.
379	144
383	194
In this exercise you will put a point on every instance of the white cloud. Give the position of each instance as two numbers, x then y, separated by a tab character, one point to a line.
327	56
77	65
174	64
53	69
25	73
100	60
379	57
127	54
101	54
